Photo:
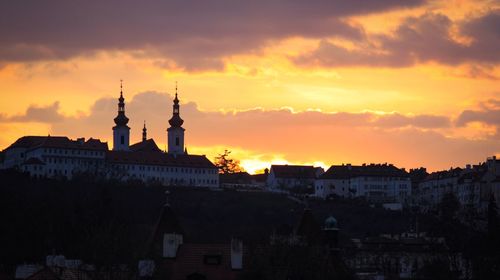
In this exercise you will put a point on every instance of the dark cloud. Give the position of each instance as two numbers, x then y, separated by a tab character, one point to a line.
427	38
193	33
45	114
488	116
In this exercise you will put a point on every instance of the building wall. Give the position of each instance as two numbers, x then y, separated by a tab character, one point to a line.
326	187
376	189
176	140
118	133
64	163
166	175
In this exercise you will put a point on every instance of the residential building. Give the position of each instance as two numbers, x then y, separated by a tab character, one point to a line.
375	182
293	177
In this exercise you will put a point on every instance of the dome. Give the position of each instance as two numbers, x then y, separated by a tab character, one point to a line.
331	223
176	121
121	119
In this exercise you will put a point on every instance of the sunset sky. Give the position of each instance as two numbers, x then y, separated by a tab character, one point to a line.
414	83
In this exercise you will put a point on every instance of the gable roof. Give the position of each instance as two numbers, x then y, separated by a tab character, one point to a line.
145	146
294	171
369	170
167	223
308	228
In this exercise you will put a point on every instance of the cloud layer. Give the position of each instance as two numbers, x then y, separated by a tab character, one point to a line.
428	38
194	34
408	140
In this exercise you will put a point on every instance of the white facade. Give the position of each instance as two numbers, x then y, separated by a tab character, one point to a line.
326	187
176	140
166	175
121	138
375	182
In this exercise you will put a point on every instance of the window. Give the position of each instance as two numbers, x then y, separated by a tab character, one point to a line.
177	141
122	140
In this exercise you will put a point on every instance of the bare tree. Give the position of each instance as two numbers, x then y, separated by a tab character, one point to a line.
226	164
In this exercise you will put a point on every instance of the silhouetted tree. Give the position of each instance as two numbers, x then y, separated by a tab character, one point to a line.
226	164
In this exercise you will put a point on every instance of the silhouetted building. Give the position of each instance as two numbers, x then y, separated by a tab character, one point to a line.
293	177
171	256
471	185
61	157
243	180
121	131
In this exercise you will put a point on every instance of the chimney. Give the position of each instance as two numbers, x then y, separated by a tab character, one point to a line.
266	171
236	253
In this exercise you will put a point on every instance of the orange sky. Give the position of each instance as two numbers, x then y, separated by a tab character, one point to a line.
412	82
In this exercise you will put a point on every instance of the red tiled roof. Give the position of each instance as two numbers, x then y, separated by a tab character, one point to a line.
294	171
158	158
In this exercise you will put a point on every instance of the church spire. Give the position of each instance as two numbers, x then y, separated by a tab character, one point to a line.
144	132
176	120
121	132
121	119
176	131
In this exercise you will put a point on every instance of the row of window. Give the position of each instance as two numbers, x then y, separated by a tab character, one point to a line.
72	152
58	160
181	181
165	169
191	181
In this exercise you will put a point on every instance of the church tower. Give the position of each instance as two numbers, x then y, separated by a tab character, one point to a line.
175	131
121	132
144	133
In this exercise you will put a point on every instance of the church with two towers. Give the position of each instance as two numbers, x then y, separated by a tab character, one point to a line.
59	156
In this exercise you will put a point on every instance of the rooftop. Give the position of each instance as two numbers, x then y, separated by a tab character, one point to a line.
294	171
371	170
63	142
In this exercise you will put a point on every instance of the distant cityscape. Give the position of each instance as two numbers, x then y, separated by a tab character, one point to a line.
319	249
61	157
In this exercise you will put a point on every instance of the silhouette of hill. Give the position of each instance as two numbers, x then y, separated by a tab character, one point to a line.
110	222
